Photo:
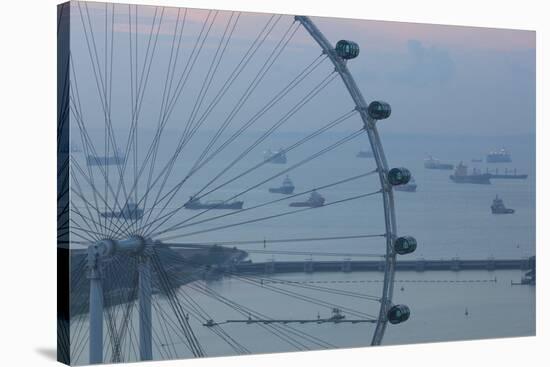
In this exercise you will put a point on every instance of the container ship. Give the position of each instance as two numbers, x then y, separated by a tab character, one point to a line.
213	204
461	176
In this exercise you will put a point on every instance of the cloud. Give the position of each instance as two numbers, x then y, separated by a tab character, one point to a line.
424	66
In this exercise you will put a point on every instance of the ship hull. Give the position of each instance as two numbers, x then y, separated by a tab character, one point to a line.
505	211
282	190
231	206
509	177
472	179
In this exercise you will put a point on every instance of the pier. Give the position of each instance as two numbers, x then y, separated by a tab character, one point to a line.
419	265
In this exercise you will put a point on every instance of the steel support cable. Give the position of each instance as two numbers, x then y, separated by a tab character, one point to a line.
303	297
270	104
205	86
271	59
192	59
318	88
279	96
78	191
275	200
271	280
248	310
167	216
244	97
86	140
236	72
168	340
169	76
81	196
139	92
258	219
272	329
199	95
98	79
200	314
272	241
281	331
178	310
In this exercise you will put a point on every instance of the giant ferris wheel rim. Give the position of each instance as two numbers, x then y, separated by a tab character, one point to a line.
381	163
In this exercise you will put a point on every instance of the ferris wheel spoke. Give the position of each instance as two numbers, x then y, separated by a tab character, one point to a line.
273	216
322	187
298	164
205	85
118	227
264	109
266	30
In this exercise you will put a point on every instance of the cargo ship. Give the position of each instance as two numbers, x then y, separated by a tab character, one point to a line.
408	187
277	157
509	175
498	207
461	176
315	200
286	188
213	204
433	163
129	211
500	156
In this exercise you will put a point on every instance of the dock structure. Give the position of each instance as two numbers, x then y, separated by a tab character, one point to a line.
419	265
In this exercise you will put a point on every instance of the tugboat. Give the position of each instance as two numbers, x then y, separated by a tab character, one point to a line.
129	211
501	156
116	159
461	176
364	154
286	188
434	163
408	187
213	204
277	157
499	208
315	200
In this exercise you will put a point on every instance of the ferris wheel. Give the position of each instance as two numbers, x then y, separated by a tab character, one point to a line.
161	110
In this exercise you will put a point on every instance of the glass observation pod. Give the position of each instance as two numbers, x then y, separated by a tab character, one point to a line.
405	245
399	176
398	314
347	49
379	110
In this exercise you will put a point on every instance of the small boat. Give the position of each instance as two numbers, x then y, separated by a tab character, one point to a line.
277	157
315	200
364	154
500	156
434	163
477	160
286	188
498	207
466	313
461	176
213	204
129	211
408	187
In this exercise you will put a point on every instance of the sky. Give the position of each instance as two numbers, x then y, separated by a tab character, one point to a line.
438	79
